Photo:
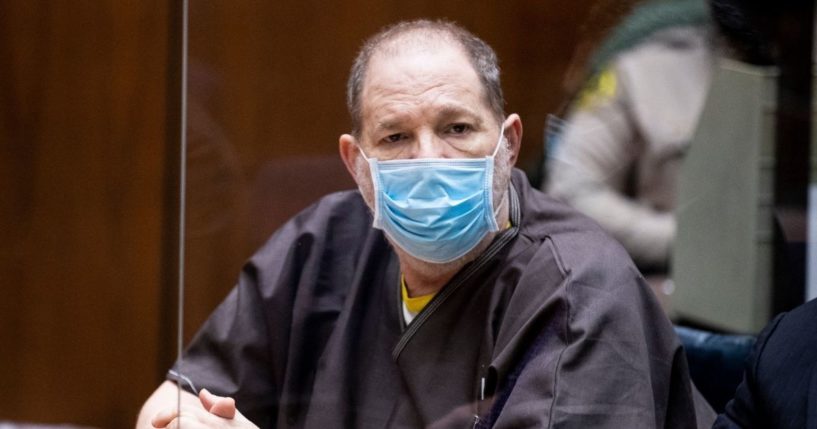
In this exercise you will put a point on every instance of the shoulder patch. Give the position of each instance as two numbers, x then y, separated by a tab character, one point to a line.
600	88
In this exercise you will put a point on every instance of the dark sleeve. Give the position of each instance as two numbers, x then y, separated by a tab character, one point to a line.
745	410
606	357
623	365
230	354
262	343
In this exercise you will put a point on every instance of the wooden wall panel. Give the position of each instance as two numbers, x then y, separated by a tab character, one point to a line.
82	140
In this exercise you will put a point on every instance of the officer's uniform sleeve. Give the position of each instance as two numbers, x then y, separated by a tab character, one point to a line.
592	167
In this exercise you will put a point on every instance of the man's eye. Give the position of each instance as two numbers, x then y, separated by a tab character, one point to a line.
459	128
393	138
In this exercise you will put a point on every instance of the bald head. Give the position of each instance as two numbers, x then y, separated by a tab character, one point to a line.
425	35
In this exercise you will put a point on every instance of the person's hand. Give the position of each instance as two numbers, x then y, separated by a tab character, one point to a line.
218	405
215	412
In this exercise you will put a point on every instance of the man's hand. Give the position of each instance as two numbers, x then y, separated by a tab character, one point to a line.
215	412
218	405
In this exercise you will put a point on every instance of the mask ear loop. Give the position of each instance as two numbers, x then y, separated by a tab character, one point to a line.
360	149
488	189
498	207
374	174
499	142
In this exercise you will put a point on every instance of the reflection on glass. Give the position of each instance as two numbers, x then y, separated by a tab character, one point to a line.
265	112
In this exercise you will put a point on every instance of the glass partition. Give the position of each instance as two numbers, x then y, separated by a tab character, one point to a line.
89	162
625	82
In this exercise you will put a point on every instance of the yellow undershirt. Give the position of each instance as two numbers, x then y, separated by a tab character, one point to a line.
416	304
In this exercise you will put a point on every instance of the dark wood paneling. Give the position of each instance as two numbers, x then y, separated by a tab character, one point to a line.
81	170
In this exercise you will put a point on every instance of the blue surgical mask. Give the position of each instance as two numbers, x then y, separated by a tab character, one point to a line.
436	209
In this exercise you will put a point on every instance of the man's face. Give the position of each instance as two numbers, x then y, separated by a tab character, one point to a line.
428	102
425	103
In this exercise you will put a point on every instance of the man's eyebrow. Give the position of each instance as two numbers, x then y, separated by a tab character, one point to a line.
444	112
449	111
387	124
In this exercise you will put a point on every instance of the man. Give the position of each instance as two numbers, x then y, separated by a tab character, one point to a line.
473	301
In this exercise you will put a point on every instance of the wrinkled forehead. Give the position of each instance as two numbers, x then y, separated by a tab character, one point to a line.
418	68
433	45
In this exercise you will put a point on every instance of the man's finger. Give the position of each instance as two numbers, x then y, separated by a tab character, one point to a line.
164	417
217	405
169	418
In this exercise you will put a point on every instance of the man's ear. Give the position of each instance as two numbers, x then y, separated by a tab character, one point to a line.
349	153
513	133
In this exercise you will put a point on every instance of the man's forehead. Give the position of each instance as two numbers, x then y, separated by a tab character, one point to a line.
416	75
418	68
417	40
419	72
418	43
431	86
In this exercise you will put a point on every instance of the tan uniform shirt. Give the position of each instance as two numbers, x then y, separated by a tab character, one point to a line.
619	157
